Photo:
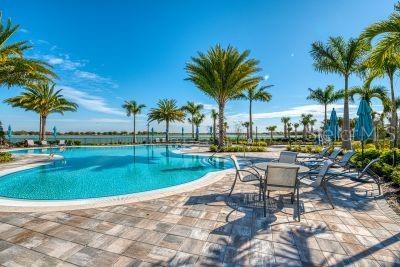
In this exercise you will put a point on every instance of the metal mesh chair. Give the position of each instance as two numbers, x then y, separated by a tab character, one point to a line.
287	157
281	177
250	174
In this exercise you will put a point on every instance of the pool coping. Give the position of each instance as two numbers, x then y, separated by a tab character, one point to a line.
23	205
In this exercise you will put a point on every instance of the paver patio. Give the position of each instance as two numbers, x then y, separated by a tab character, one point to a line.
205	227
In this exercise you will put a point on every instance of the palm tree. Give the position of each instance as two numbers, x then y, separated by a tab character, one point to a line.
223	74
15	69
343	58
305	121
285	121
271	130
167	111
255	93
324	97
214	117
367	92
197	120
192	108
312	123
247	126
295	125
44	100
132	109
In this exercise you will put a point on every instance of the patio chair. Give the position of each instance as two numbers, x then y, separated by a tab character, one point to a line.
30	143
248	175
320	155
43	143
61	143
287	157
313	164
282	178
344	162
367	171
320	179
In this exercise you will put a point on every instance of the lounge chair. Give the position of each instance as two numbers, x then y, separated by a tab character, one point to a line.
43	143
367	173
320	178
30	143
344	162
313	164
281	177
248	175
323	153
61	143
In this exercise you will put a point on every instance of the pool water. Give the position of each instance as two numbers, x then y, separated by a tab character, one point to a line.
107	171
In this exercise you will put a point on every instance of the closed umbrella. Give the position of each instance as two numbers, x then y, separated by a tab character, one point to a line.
9	133
332	130
364	128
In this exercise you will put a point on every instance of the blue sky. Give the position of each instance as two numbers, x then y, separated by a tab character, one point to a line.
106	52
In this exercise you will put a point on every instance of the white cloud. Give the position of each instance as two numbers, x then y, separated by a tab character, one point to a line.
62	61
23	30
90	102
316	110
87	75
209	106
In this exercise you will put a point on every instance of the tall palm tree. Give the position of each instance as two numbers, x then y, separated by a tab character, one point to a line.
214	117
324	97
295	125
223	74
285	121
345	59
132	109
192	109
15	69
255	93
167	111
197	120
271	129
43	99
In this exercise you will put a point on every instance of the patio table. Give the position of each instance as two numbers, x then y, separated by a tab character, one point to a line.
263	166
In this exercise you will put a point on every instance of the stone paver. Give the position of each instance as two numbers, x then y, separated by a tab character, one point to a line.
206	227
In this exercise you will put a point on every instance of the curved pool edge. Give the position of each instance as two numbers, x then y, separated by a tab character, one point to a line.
23	205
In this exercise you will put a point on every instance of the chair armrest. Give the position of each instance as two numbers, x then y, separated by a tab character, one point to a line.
255	174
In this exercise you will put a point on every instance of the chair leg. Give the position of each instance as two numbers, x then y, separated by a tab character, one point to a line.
233	185
298	203
327	194
292	198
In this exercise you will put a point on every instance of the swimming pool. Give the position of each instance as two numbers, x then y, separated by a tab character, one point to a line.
93	172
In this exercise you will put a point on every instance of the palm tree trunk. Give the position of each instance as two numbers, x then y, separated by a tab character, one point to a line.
346	134
221	107
167	130
134	128
393	122
250	121
271	138
325	116
215	129
285	130
43	128
192	127
40	127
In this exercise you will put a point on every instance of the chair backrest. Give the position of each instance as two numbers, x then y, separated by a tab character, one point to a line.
323	171
368	169
281	177
323	152
335	153
30	142
346	158
287	157
237	166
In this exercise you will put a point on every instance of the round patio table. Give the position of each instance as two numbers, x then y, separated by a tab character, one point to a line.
263	166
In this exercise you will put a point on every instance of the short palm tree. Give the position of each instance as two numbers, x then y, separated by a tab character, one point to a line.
368	92
271	129
285	121
312	123
324	97
214	117
197	119
345	59
192	109
305	121
43	99
252	94
15	69
132	109
223	74
167	111
296	126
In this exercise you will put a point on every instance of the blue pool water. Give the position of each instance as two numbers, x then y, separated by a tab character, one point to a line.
109	171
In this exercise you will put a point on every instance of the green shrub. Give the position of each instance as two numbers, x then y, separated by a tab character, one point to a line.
396	175
5	157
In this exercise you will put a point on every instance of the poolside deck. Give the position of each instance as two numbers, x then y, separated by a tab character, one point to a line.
206	227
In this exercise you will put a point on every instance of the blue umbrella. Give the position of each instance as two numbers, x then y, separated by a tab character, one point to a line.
9	133
55	133
332	129
364	128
